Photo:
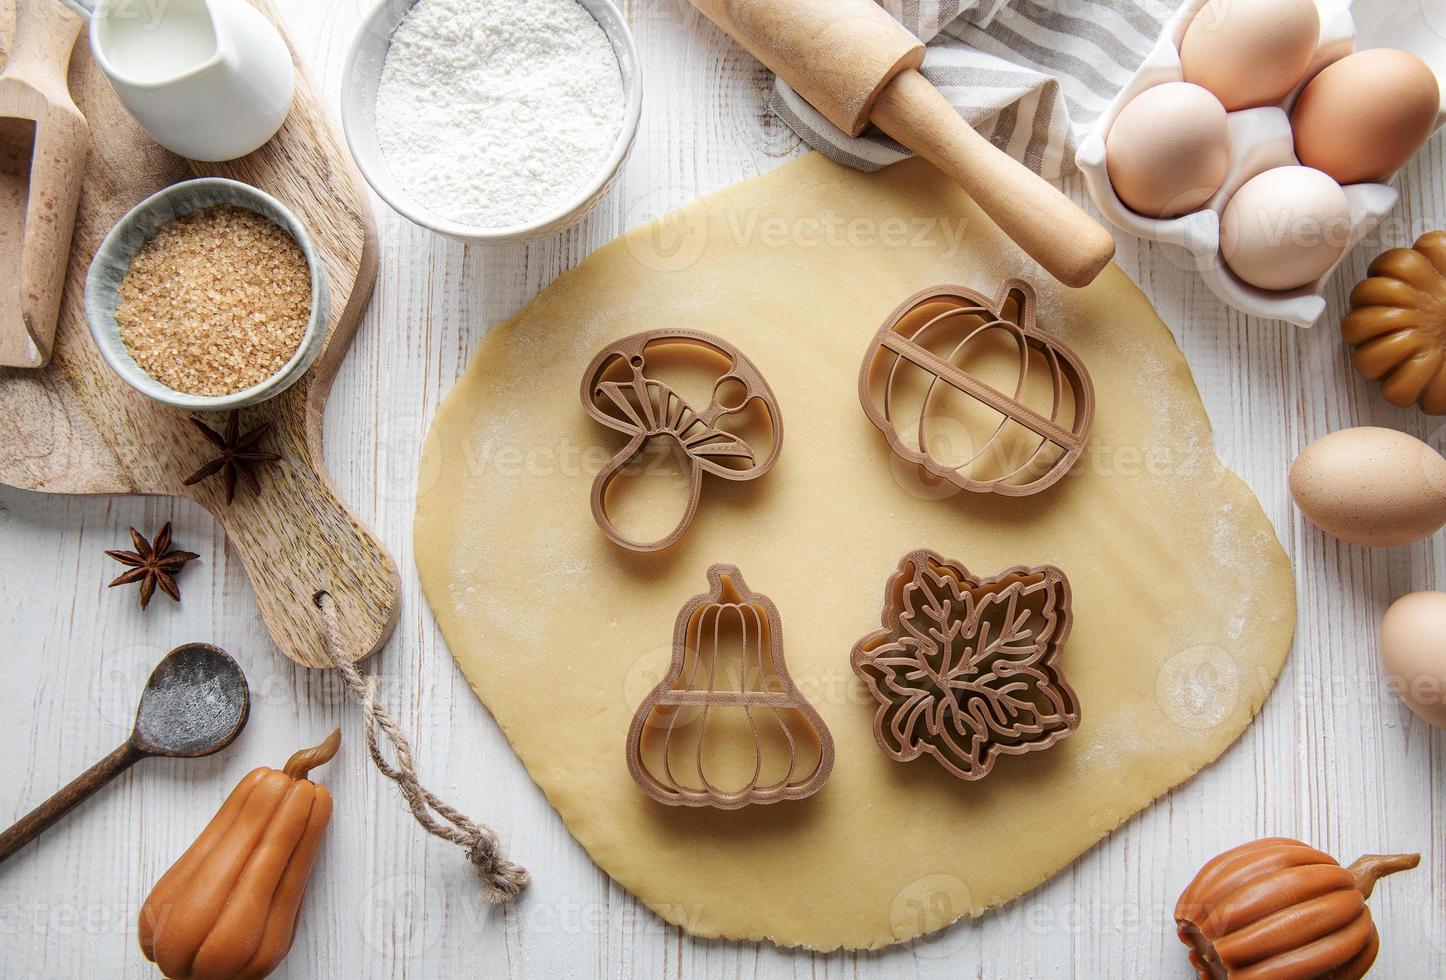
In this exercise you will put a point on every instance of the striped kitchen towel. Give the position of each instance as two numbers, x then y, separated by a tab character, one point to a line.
1031	75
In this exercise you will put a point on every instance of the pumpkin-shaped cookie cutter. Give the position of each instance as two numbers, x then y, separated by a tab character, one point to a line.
929	321
730	622
645	408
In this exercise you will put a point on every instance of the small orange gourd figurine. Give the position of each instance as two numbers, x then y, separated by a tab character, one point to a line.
1397	324
1277	909
227	909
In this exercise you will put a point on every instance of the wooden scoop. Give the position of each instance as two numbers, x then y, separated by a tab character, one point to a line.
43	144
857	65
195	703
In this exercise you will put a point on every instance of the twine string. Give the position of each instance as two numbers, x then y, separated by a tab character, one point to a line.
502	879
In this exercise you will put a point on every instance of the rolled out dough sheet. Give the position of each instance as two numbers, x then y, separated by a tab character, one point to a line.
1183	599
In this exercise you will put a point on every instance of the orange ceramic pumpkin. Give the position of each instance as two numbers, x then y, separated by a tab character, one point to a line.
1397	324
1277	909
227	909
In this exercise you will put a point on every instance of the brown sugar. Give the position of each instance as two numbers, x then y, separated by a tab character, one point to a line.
217	302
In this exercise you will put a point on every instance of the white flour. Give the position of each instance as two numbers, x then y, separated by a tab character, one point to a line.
495	112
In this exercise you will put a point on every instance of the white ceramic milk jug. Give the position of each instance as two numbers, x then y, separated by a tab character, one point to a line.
209	80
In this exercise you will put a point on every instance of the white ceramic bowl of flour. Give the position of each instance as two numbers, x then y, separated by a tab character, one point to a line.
452	162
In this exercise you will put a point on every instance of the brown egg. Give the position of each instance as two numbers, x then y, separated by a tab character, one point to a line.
1374	487
1169	150
1413	649
1250	52
1364	117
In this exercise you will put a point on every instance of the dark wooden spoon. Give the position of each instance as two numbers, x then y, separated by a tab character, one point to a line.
195	704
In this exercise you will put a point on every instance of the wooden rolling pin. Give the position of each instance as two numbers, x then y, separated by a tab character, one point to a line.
857	65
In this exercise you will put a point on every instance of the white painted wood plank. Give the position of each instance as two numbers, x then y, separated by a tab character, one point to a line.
1334	758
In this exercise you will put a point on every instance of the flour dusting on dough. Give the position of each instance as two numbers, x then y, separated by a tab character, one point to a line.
1184	601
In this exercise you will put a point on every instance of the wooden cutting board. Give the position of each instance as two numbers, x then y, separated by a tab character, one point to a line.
75	427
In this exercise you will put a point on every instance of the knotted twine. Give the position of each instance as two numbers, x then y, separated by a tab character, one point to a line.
502	879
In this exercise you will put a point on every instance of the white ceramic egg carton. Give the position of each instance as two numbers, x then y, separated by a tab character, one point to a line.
1261	140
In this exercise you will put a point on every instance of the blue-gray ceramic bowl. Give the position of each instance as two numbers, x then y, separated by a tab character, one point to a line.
113	260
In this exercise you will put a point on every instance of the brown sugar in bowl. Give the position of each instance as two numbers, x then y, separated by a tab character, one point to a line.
140	226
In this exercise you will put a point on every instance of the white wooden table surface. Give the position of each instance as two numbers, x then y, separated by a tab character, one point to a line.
1334	758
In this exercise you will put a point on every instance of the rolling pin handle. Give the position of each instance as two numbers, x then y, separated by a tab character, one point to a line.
1052	229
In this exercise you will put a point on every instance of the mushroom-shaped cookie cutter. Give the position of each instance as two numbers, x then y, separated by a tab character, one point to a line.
728	658
967	669
617	391
933	331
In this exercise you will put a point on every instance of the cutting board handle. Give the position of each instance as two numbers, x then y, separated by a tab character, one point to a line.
305	543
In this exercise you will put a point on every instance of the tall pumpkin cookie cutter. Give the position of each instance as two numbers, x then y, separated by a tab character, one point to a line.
645	408
932	331
730	633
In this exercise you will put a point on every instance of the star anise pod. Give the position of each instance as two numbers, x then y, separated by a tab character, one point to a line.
152	564
239	455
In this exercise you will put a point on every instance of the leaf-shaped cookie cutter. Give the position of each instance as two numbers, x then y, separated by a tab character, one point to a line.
643	408
900	342
967	669
760	643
